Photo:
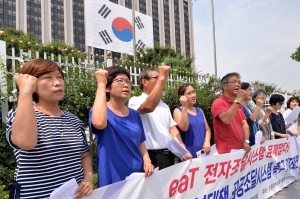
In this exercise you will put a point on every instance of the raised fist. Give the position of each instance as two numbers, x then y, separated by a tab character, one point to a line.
259	103
101	76
164	71
269	110
241	95
26	83
183	101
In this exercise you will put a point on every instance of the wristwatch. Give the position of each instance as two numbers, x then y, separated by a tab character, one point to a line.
247	141
237	102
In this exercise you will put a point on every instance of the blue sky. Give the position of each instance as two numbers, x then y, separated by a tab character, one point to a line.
253	37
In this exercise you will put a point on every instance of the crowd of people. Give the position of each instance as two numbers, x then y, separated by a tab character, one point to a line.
50	144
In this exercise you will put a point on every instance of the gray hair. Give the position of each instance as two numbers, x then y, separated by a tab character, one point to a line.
225	79
144	75
255	93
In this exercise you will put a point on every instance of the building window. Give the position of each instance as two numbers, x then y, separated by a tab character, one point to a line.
155	21
142	5
186	28
128	4
100	52
114	1
34	18
177	25
167	21
78	24
8	13
57	20
115	55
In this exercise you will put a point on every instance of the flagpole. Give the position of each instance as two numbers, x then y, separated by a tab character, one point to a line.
214	36
133	26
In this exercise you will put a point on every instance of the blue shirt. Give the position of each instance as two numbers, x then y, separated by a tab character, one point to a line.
118	143
253	126
194	137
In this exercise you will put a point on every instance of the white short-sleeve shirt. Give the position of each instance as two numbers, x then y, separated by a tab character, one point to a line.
156	124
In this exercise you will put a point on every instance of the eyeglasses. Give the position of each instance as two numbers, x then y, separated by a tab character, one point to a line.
122	81
155	77
262	95
240	83
280	103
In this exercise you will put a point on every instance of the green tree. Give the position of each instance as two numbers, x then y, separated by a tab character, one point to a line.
269	87
163	54
296	55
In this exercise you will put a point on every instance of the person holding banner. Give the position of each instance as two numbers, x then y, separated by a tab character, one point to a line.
251	114
191	121
49	144
263	116
231	130
118	129
157	120
276	117
291	104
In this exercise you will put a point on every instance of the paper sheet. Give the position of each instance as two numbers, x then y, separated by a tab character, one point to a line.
213	151
177	149
65	191
258	137
293	115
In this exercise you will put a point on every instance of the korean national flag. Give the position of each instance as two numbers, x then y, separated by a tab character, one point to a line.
109	26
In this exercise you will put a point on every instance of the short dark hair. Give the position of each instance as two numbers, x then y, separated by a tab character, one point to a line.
182	88
276	98
113	71
245	85
292	99
225	79
254	95
145	75
39	67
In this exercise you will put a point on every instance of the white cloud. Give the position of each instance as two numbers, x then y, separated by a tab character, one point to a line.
254	38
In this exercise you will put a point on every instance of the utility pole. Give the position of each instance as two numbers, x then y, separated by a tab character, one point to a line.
133	26
214	37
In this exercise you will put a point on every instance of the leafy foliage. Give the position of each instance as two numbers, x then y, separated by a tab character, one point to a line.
296	55
269	87
8	161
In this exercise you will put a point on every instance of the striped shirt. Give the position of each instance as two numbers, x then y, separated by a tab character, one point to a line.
55	159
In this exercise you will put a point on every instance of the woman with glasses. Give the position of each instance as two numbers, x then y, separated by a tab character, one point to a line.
263	116
118	129
251	114
291	104
276	117
191	122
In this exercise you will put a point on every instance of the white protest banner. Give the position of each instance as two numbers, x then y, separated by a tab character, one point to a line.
265	170
109	26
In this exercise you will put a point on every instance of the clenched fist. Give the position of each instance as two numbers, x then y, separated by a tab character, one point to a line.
101	76
164	71
26	83
269	110
259	103
183	101
241	95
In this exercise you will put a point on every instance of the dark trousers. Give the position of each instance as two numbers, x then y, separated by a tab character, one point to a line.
161	158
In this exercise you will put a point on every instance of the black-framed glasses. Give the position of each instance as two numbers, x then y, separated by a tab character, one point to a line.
240	83
122	81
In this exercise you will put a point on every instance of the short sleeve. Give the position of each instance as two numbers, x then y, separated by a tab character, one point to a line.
142	137
85	147
171	120
136	102
218	107
9	122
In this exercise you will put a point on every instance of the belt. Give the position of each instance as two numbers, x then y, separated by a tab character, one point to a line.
159	151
